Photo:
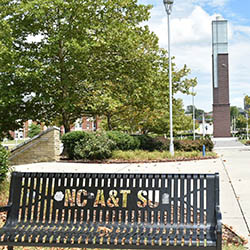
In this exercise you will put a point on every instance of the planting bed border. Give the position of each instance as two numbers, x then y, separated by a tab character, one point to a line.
139	161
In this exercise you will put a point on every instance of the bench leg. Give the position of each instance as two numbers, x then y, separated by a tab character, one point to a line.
10	247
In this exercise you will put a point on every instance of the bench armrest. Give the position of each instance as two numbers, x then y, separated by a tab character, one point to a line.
218	228
218	220
5	208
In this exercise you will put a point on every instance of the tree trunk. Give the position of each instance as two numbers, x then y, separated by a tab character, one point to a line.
109	122
66	125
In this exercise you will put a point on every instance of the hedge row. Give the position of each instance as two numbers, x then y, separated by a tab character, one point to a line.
3	163
84	145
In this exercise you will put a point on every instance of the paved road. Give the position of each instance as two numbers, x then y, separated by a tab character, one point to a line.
233	166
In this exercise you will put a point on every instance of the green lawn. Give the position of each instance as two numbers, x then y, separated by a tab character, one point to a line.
14	141
243	141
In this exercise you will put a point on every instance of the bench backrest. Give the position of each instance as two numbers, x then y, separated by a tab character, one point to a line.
165	199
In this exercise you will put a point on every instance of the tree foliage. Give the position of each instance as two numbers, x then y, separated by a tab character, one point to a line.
14	107
234	112
198	112
67	49
62	59
241	122
34	129
247	103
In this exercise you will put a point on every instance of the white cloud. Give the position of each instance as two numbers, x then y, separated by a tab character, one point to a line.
192	29
213	3
191	44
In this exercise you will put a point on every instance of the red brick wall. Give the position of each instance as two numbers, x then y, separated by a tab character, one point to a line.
221	120
221	106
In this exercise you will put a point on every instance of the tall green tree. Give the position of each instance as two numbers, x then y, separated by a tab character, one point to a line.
234	112
247	102
15	103
68	49
70	58
198	112
147	102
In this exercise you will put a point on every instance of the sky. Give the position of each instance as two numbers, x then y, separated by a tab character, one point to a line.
191	43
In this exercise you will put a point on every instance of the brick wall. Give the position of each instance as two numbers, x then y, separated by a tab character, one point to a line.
221	118
44	147
221	106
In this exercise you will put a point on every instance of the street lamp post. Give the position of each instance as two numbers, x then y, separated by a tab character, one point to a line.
168	6
193	115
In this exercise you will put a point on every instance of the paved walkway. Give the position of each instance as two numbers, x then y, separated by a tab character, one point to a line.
236	210
233	166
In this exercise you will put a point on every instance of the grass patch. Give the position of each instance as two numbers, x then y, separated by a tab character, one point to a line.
142	155
240	247
14	142
4	195
4	192
243	141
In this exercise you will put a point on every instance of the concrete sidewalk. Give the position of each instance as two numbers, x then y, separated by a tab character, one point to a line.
232	167
236	164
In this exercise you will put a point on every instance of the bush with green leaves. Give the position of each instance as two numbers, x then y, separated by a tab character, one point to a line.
123	141
193	145
208	143
71	139
4	164
96	146
150	143
34	129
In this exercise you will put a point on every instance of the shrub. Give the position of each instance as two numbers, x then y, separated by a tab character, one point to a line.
34	129
193	145
247	143
70	140
96	146
208	143
123	141
151	144
4	167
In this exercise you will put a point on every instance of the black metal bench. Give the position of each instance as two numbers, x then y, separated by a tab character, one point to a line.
148	211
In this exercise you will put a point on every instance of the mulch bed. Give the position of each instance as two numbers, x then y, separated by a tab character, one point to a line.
117	161
231	238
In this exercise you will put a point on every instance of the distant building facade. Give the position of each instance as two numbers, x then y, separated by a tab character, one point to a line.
81	124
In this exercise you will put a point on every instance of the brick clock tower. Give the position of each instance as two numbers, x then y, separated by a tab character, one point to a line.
221	106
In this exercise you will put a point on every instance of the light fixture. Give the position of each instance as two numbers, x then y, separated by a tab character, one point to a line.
168	5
